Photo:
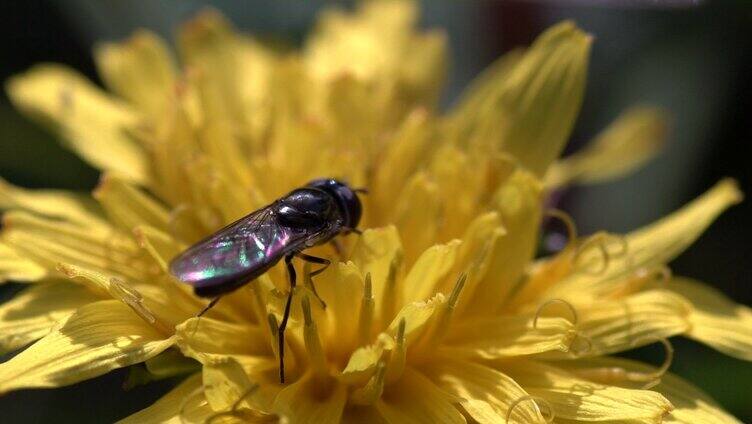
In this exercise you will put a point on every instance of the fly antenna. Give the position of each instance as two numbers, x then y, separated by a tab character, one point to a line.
361	190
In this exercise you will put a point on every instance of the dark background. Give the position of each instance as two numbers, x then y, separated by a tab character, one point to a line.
694	60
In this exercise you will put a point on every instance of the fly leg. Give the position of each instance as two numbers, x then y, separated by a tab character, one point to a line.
285	317
209	306
320	261
338	248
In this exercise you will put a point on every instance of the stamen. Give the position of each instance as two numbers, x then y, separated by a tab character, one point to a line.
455	296
543	277
251	390
233	412
398	357
118	289
600	241
274	329
144	243
437	330
365	320
571	308
131	297
622	242
568	222
312	341
587	245
663	274
548	416
174	220
614	375
181	224
654	378
390	289
641	277
217	415
371	392
583	351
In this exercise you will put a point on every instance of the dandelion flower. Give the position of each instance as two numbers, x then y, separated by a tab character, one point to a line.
439	312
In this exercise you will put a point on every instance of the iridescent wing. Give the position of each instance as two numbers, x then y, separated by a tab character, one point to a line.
237	253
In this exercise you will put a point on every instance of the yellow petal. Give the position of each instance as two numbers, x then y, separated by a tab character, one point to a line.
14	266
51	203
139	69
224	383
237	395
401	158
341	287
31	314
128	206
652	245
170	363
333	48
497	337
577	399
461	179
209	44
309	401
363	361
161	247
91	123
475	255
173	155
691	405
633	139
97	338
49	242
428	271
637	320
519	202
155	304
715	319
543	96
379	44
362	415
486	394
205	338
375	253
415	399
481	93
418	227
537	100
416	316
185	399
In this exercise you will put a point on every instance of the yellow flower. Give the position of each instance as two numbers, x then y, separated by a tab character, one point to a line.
439	312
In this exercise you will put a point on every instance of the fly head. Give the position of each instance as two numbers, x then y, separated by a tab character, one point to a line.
346	198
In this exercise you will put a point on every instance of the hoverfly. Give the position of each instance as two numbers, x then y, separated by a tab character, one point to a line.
247	248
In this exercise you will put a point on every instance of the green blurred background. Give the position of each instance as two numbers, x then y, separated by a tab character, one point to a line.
693	58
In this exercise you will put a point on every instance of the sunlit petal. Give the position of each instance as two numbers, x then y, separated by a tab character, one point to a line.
90	122
577	399
31	314
97	338
715	319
